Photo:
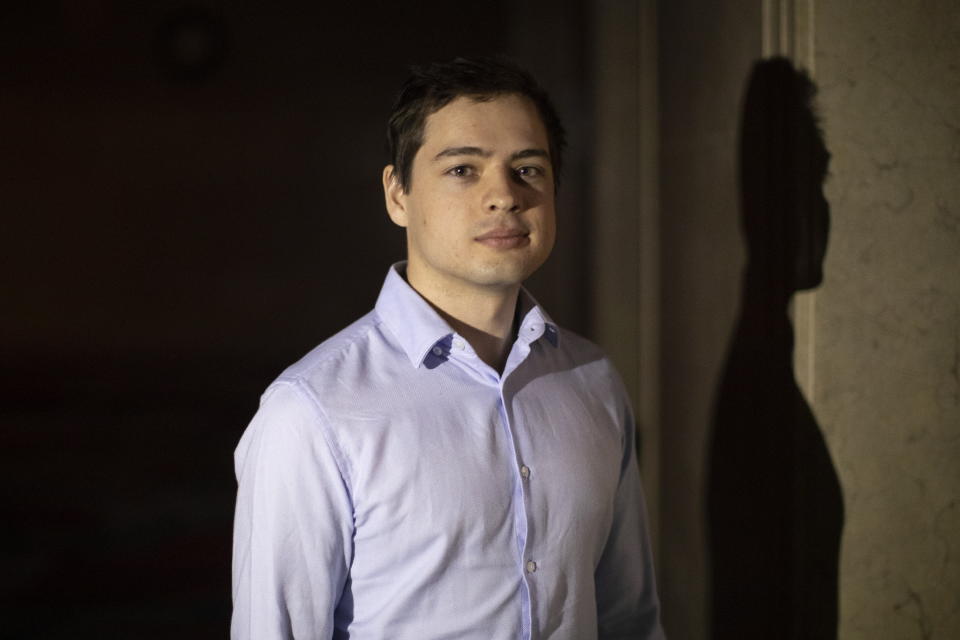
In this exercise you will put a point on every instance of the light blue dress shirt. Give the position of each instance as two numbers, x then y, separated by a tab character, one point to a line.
394	486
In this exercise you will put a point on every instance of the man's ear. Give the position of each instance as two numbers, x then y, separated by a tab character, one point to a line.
394	196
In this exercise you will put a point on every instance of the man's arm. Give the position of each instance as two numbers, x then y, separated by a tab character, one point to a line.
293	523
627	603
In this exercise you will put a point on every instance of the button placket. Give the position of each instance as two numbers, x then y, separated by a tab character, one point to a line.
521	507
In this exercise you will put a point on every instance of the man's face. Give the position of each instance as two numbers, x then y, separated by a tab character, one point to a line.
479	210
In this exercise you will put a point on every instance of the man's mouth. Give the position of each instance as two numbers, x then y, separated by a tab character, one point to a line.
505	238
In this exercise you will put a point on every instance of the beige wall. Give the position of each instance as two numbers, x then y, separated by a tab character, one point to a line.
877	346
884	341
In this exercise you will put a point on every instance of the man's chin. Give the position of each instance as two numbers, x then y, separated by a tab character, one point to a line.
503	276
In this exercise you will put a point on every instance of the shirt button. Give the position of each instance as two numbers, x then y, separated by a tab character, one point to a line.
437	351
531	566
525	471
458	344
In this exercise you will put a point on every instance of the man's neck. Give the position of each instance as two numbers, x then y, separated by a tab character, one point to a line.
484	317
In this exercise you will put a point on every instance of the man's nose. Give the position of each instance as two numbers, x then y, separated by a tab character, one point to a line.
503	193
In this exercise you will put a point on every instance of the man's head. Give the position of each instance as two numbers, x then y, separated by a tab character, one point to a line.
474	178
433	86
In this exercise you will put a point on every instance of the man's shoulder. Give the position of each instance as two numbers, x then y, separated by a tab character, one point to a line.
583	351
575	343
353	347
589	363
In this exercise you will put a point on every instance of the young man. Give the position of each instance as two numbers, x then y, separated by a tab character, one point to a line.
453	464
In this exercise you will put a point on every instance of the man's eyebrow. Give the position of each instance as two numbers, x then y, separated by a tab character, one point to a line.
462	151
477	151
530	153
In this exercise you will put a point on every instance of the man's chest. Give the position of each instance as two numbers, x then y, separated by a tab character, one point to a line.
483	468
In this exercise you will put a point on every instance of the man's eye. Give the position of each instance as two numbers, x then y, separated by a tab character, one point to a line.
530	172
461	171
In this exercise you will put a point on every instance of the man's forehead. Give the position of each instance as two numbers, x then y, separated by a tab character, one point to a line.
466	116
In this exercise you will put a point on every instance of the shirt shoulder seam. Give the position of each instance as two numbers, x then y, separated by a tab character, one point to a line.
302	388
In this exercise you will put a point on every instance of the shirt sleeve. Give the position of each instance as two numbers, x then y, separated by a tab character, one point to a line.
293	523
627	602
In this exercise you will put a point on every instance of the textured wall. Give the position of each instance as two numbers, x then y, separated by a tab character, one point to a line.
887	323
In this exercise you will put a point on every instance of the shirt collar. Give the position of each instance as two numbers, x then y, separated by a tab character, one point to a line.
419	328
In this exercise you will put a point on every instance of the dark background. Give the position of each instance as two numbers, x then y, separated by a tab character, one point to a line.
191	200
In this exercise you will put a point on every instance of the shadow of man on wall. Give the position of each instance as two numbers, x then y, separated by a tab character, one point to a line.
775	508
